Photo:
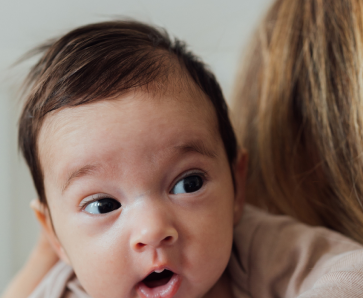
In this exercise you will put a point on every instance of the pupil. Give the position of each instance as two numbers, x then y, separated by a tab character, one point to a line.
107	205
192	183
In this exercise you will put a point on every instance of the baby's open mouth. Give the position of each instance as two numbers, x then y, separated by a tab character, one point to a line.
159	284
155	279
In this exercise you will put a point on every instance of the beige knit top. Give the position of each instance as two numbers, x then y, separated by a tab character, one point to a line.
272	256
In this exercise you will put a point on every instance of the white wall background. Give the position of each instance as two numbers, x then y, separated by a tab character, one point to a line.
217	30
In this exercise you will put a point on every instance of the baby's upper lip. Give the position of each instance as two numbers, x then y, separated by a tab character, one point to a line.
158	268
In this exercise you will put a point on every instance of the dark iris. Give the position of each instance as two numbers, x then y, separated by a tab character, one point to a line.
192	183
107	205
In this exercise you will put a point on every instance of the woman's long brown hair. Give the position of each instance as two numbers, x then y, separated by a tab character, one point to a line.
298	107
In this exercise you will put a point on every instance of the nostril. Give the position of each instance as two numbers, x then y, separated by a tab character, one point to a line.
154	238
168	239
140	246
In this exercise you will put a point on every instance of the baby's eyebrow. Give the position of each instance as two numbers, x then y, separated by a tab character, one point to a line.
83	171
197	146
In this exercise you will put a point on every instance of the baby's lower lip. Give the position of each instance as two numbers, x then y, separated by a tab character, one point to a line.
167	290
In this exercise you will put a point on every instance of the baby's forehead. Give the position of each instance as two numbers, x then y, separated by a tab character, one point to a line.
184	91
136	118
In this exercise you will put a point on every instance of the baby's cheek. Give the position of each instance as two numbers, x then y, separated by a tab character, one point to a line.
95	253
210	258
210	245
101	269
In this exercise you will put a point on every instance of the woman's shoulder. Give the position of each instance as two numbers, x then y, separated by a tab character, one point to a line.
290	258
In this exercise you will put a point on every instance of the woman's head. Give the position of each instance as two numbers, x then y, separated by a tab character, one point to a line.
299	101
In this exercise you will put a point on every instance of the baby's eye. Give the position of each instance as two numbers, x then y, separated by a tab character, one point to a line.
102	206
187	185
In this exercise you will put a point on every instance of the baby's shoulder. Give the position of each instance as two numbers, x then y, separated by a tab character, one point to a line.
258	228
290	258
60	282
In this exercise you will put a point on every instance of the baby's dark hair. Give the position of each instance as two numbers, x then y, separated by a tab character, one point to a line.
100	61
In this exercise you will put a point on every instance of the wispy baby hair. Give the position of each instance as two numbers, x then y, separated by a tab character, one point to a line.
101	61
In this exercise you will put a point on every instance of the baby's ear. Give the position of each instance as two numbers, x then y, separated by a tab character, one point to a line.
43	216
240	174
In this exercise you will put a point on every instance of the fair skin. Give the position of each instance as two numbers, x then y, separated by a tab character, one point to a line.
156	169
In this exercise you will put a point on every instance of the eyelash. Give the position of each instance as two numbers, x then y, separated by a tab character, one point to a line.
96	197
93	198
200	173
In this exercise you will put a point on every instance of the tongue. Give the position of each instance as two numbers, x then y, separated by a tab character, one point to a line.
158	279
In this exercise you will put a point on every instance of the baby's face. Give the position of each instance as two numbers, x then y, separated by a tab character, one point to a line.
140	194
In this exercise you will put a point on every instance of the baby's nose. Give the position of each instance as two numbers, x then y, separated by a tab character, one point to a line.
153	229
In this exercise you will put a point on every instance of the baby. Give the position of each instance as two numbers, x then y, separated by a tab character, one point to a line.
141	189
133	156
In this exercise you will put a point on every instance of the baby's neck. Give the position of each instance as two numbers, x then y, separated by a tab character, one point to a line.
222	288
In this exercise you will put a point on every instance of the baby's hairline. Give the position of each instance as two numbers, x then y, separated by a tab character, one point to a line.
51	123
59	80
